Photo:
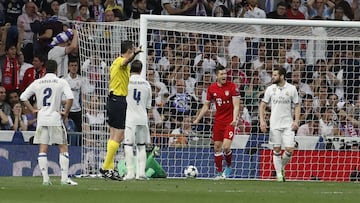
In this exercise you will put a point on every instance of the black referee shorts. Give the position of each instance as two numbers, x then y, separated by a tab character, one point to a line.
116	111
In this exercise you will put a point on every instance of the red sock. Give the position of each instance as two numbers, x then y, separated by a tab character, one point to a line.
228	158
218	162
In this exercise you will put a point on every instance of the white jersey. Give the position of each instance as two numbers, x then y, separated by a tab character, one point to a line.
77	85
281	100
48	91
138	100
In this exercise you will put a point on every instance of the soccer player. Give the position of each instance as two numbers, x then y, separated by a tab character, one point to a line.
282	96
226	97
136	123
50	129
116	105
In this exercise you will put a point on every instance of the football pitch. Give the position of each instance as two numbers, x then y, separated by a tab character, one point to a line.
30	190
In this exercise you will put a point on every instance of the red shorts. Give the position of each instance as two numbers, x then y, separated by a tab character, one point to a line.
222	132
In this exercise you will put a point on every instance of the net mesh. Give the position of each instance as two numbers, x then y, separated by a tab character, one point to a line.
321	61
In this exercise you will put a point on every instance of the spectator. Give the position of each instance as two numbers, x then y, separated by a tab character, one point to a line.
4	106
279	13
10	66
97	11
208	60
307	108
17	120
139	7
180	104
23	66
322	8
48	29
112	4
83	10
243	126
252	10
347	125
61	49
13	9
310	127
30	117
37	71
177	7
293	12
25	20
13	97
327	127
252	94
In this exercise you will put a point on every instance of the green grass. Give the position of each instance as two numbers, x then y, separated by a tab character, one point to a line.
30	189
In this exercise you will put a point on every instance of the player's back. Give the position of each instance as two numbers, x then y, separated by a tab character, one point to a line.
138	100
48	91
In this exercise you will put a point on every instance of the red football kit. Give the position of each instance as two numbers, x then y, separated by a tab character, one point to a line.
222	97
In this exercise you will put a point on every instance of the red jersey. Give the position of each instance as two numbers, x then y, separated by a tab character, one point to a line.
30	75
222	97
298	16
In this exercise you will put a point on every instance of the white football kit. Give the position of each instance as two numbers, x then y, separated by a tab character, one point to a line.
281	100
48	91
138	101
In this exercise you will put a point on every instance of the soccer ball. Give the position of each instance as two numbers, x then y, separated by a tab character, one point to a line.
191	172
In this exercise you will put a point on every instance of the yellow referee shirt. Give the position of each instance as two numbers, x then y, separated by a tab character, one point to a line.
119	77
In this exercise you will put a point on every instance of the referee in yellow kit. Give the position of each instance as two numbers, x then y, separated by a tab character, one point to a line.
116	105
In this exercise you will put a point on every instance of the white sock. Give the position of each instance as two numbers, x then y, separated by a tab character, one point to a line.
64	165
141	160
129	159
277	162
285	158
43	165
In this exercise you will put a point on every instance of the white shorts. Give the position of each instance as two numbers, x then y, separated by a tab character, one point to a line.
50	135
279	137
137	134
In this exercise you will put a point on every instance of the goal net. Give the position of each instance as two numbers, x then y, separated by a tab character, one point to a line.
321	59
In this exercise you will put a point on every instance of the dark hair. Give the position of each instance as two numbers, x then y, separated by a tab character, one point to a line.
41	57
219	68
126	45
51	66
72	60
136	66
281	71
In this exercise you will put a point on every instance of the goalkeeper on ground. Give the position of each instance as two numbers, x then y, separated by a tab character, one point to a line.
153	168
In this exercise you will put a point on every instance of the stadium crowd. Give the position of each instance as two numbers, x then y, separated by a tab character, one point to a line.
180	65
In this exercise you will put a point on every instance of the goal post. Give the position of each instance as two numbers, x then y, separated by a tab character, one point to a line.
180	53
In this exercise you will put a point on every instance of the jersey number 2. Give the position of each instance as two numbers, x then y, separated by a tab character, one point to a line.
137	96
47	94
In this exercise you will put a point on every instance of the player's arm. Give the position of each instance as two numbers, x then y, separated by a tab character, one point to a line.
236	104
69	99
263	125
126	61
24	97
203	110
295	125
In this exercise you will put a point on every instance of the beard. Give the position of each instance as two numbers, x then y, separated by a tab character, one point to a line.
277	81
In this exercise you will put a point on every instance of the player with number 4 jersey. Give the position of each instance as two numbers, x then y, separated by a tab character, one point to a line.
136	123
226	97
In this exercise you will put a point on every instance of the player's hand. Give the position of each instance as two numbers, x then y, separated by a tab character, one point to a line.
64	114
138	50
294	126
263	127
233	123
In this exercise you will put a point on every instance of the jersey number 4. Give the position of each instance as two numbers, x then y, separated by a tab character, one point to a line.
47	94
137	96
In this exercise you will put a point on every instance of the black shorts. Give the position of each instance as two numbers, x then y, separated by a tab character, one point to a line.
116	111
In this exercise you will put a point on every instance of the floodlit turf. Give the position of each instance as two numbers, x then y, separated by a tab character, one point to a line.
30	189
